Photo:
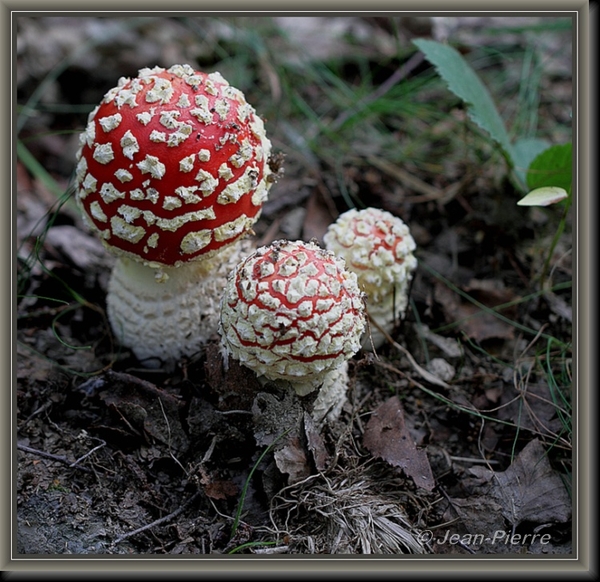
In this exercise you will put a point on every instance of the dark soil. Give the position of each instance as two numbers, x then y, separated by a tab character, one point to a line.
114	458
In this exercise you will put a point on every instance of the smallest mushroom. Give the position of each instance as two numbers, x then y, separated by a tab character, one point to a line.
293	314
378	247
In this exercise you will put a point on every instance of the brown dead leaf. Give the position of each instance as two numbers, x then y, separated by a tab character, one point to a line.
386	436
317	218
235	386
530	407
529	490
292	460
315	442
478	324
217	488
277	420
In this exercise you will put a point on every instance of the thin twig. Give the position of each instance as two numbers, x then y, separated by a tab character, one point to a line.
431	378
169	436
75	463
160	521
59	458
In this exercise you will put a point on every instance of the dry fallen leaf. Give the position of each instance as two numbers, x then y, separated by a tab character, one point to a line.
317	218
216	488
292	460
234	384
477	323
387	436
315	443
529	490
530	406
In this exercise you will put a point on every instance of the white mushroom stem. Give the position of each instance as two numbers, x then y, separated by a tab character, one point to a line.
384	316
164	318
332	396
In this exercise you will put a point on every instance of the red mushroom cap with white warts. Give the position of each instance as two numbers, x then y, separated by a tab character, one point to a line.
378	247
292	311
173	165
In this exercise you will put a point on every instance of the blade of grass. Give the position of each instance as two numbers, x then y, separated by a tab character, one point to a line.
30	162
240	507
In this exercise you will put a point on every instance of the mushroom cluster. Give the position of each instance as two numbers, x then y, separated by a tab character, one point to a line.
378	247
172	172
293	313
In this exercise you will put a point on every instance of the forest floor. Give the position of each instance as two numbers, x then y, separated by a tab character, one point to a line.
114	458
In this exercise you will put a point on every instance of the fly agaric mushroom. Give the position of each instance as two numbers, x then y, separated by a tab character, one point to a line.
292	312
172	169
378	247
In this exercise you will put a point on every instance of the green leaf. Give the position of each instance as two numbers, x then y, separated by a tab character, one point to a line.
463	81
544	196
552	167
525	150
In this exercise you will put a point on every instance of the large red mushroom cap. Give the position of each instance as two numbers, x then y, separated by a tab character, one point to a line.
173	165
291	311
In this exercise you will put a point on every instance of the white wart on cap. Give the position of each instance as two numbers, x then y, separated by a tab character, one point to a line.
292	311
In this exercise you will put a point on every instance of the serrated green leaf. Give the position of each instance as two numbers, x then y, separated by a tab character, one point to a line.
544	196
463	81
552	167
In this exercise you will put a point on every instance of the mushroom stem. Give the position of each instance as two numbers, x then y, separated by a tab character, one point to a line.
332	396
168	314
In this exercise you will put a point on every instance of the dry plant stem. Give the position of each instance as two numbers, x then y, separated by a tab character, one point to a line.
350	514
557	235
421	371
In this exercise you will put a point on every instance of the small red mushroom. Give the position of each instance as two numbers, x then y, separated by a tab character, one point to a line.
379	248
292	312
172	169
